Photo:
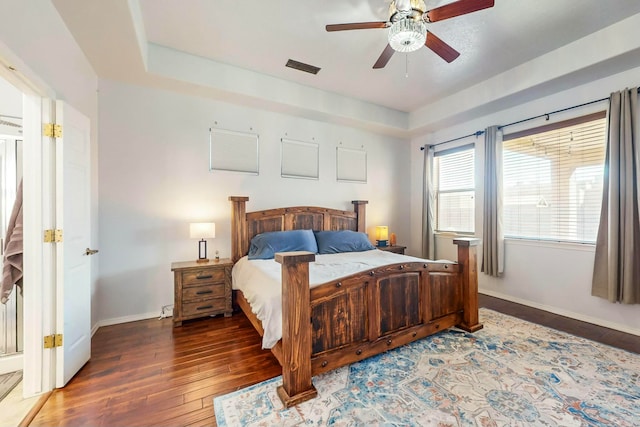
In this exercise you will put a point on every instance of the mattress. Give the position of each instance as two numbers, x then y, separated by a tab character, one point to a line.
259	281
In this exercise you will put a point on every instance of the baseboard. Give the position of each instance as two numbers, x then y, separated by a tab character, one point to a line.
125	319
566	313
11	363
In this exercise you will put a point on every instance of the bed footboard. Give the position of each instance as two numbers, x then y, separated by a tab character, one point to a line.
468	258
358	316
296	329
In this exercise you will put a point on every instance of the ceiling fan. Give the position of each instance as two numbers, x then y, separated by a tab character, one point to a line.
407	25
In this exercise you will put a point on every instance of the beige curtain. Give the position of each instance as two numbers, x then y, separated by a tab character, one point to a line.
428	206
492	235
616	271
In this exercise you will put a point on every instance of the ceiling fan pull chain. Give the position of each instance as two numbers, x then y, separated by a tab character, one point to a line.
406	65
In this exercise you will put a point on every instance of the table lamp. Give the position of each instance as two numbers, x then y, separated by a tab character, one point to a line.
382	235
202	231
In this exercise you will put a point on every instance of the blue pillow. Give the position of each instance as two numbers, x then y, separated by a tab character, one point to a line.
265	245
333	242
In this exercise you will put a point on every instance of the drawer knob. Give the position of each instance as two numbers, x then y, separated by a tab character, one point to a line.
339	284
204	292
324	364
204	307
208	276
358	352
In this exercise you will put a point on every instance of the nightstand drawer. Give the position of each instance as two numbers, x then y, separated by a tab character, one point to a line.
204	307
197	278
205	291
201	289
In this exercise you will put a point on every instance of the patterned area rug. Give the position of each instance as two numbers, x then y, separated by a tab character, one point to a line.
8	382
511	373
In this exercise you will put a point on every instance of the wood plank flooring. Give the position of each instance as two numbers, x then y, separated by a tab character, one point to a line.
148	373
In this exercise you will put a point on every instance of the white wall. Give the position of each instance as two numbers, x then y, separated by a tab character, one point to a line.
10	101
154	180
554	277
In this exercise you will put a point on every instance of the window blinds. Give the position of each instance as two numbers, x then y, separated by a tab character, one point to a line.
552	182
455	190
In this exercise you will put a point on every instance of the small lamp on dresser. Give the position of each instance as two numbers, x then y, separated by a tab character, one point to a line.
202	231
382	235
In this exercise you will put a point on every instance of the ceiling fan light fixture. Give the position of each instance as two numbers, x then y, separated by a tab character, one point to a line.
407	35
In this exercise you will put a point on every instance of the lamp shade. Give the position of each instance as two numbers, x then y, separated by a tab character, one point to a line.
202	230
382	232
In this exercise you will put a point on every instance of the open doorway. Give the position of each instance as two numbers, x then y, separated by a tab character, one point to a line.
56	158
11	313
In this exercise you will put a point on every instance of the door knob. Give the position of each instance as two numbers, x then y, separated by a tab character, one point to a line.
90	251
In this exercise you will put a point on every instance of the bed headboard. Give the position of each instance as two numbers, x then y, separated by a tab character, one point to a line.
245	225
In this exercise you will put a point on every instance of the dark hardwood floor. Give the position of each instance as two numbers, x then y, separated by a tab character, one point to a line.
148	373
590	331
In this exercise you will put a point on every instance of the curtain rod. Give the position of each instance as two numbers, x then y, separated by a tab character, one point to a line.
546	115
476	134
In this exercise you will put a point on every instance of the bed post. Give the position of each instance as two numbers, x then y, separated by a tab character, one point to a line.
468	259
360	207
296	328
238	226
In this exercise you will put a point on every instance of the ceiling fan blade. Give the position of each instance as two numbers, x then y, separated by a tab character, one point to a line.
357	26
457	8
442	49
386	55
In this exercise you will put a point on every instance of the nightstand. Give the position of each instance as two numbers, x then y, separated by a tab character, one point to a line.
394	249
201	289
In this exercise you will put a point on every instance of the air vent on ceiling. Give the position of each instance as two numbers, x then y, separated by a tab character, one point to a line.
302	67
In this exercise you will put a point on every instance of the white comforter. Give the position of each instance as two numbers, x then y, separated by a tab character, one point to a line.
259	281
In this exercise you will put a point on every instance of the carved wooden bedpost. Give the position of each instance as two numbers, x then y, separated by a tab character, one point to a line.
468	259
238	227
360	207
296	328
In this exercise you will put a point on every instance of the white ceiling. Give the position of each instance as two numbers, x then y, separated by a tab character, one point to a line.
260	36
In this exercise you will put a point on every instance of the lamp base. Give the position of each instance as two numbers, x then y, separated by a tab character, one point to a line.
382	243
202	252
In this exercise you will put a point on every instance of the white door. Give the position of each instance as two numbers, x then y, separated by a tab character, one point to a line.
73	263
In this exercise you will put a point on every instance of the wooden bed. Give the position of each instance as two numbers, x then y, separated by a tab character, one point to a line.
354	317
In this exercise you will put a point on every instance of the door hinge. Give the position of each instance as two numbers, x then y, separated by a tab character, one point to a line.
52	236
51	341
53	130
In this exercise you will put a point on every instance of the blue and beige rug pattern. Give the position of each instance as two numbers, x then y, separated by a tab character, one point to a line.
511	373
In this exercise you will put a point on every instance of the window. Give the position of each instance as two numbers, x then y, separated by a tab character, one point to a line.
455	190
552	180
